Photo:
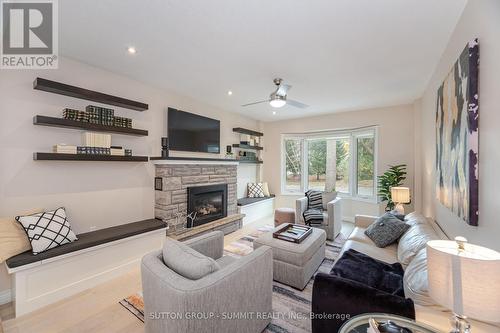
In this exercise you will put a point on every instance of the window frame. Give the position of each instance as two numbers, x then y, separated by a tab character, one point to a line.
352	135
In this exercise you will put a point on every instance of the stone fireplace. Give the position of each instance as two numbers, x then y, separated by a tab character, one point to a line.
207	184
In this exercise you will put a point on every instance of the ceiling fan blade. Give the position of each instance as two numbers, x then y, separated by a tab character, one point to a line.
264	101
283	89
297	104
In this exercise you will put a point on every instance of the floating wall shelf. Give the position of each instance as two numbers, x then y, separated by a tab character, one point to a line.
236	145
67	123
87	157
247	131
89	95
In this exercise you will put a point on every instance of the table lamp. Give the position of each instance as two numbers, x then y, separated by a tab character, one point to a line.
464	278
400	196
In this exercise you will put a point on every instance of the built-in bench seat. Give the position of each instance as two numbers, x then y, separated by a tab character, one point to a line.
256	208
96	256
88	240
249	201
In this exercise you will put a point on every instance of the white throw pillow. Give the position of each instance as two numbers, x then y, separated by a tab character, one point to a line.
265	189
186	261
254	190
47	230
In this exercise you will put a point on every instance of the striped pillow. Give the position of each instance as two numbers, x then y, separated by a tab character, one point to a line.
314	199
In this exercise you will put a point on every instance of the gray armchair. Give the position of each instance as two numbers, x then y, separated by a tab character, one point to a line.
332	216
241	286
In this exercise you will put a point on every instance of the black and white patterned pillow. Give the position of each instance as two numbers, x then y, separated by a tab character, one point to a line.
255	190
314	199
386	230
47	230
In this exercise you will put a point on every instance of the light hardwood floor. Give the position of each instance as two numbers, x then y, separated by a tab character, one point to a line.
97	309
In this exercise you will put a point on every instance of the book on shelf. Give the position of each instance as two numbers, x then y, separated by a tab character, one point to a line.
93	150
97	115
117	152
100	140
63	148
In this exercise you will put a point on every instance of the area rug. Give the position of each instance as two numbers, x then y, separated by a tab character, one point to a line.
291	307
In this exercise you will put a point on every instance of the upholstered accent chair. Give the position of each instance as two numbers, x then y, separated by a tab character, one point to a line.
240	285
332	215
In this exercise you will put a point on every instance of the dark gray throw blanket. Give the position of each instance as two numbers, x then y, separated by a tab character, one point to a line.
313	216
358	284
357	266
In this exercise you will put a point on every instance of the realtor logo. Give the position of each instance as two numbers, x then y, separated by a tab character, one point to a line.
29	34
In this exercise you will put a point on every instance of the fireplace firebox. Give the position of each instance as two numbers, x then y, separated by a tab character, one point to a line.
206	204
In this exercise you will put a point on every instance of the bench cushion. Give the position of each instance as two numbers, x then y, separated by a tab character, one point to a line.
249	201
87	240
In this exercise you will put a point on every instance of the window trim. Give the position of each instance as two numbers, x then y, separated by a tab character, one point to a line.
352	135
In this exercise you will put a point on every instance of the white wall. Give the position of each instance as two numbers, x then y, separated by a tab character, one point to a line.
100	194
481	19
395	146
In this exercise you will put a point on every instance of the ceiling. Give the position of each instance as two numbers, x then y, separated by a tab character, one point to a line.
338	55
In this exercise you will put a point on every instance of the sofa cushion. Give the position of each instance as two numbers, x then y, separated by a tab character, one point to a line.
358	234
186	261
415	218
388	254
414	240
415	280
356	266
386	230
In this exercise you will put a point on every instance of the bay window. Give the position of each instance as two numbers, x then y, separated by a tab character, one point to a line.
343	161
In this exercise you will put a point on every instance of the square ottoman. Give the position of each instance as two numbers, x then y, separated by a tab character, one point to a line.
294	264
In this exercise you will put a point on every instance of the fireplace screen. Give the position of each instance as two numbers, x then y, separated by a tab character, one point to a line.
206	204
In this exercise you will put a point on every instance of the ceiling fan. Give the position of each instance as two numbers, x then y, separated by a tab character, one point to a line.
278	98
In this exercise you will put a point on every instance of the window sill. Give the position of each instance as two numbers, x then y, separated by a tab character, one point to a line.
341	195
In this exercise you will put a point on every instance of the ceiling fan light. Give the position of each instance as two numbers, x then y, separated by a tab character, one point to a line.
277	103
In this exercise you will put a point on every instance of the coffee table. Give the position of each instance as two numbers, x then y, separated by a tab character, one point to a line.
294	264
359	324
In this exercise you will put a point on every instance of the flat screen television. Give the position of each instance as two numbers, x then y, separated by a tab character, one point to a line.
191	132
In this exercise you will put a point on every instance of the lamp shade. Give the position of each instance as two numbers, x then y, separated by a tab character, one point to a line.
465	280
400	194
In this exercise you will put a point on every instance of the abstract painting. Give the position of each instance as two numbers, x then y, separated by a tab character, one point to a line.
457	137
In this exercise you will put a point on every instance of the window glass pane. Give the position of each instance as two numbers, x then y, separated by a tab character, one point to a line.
365	167
328	165
342	163
316	164
293	168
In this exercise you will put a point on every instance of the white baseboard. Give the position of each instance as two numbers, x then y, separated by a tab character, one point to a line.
5	296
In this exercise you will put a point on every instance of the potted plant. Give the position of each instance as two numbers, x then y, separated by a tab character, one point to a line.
394	176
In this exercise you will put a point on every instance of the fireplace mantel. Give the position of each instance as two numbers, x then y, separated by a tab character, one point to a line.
193	160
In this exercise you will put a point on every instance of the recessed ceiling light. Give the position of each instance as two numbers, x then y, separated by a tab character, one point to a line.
131	50
274	112
229	93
